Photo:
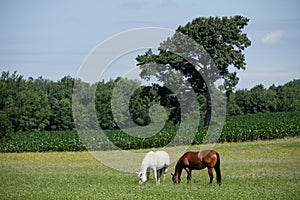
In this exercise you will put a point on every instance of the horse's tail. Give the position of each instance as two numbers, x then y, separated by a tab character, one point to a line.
218	169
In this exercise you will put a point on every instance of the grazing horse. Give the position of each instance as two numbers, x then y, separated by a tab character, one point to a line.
198	160
158	162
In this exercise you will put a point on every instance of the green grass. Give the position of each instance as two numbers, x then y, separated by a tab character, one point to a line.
250	170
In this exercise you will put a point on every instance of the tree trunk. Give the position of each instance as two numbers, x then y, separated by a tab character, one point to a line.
208	109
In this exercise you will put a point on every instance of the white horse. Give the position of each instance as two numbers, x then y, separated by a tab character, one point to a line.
158	162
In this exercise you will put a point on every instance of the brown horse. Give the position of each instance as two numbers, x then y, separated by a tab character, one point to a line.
198	160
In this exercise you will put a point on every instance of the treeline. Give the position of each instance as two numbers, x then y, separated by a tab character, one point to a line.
45	105
35	104
282	98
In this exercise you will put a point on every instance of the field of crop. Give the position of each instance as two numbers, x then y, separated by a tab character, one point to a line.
250	170
252	127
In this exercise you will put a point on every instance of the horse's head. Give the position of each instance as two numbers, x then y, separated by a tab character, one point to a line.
175	178
142	177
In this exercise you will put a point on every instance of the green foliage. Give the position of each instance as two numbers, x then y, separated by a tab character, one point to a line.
83	105
120	102
258	99
201	52
60	101
223	40
37	141
36	104
240	128
289	96
232	106
103	105
6	126
34	109
43	105
261	126
140	102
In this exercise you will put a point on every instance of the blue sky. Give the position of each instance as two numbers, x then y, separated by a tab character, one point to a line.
52	38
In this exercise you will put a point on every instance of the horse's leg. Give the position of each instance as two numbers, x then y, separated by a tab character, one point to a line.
189	174
161	172
158	176
211	175
218	172
164	172
155	173
148	175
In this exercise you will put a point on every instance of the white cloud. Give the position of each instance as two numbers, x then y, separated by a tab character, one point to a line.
272	38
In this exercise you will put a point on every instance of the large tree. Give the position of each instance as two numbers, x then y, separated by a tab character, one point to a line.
221	45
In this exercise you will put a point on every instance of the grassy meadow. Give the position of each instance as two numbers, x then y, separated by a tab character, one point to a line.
250	170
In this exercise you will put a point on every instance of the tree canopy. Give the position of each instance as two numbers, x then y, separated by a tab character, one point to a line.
221	45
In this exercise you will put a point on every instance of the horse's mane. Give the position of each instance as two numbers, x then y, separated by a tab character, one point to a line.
178	167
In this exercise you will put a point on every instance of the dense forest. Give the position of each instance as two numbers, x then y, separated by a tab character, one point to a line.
45	105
